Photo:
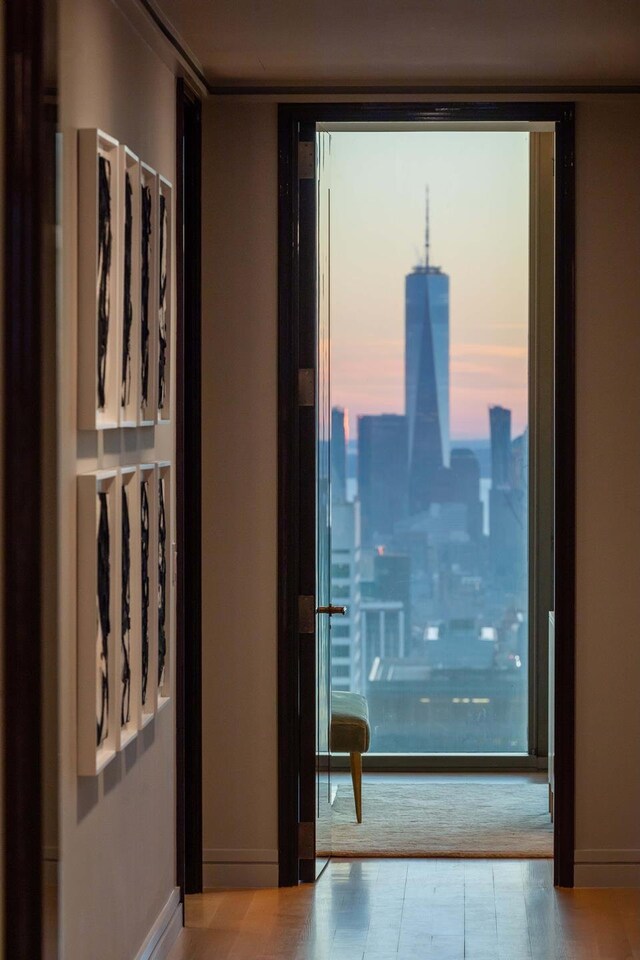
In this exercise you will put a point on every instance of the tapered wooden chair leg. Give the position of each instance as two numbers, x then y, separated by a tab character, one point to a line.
356	779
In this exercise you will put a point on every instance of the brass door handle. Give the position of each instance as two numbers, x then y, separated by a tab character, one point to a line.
331	610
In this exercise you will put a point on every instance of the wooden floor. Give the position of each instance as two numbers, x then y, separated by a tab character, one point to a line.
416	910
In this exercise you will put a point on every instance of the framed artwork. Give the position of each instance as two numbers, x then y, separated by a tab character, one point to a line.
98	610
165	605
148	580
99	213
129	246
165	292
129	662
148	326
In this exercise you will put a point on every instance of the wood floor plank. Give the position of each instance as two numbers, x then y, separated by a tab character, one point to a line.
416	910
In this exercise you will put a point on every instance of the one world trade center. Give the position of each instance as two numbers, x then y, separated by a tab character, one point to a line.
426	377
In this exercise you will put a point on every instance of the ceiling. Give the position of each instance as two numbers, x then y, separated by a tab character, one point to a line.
426	42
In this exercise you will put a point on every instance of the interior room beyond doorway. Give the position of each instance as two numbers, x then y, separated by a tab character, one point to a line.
440	478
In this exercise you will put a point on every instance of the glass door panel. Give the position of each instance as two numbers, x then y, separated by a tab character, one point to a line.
323	503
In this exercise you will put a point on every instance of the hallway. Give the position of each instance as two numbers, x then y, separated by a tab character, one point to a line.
416	910
237	480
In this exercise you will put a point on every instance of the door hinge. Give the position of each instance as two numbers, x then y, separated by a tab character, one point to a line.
306	614
306	160
306	387
306	840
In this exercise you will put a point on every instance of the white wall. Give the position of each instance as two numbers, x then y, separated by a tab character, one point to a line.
239	483
117	830
608	445
239	465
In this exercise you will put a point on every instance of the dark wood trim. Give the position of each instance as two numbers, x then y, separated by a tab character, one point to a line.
389	89
188	493
428	111
25	160
291	116
288	506
180	698
306	492
565	502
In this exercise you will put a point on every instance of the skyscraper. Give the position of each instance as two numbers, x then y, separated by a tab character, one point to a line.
346	645
465	488
338	455
507	504
500	425
465	476
382	475
426	376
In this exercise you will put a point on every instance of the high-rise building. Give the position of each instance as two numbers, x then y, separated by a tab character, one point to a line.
465	487
520	461
386	608
426	376
500	424
507	502
338	455
384	631
382	475
346	636
465	476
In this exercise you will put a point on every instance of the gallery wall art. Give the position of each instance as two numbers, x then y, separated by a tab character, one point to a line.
128	673
164	606
148	592
98	280
148	294
125	607
98	606
165	233
130	295
125	287
124	549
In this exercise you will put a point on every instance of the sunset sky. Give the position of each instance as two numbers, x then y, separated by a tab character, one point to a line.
479	190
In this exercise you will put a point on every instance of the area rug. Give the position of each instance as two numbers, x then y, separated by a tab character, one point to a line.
443	820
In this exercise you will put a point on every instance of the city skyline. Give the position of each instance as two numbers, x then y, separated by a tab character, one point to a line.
479	238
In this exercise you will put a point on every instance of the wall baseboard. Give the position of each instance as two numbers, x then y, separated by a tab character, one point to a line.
607	868
607	856
228	876
164	932
225	869
220	855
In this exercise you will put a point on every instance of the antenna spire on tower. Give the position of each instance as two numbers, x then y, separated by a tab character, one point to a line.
426	228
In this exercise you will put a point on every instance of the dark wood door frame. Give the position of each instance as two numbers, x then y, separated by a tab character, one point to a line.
293	332
28	166
188	494
307	545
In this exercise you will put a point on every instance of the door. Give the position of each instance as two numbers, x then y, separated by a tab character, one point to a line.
324	610
296	451
314	832
188	495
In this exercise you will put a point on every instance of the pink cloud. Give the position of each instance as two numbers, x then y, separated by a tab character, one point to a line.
488	350
371	381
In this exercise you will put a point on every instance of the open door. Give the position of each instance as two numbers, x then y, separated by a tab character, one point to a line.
314	829
304	479
324	608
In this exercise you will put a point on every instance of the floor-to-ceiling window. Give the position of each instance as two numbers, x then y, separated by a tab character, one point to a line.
429	284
